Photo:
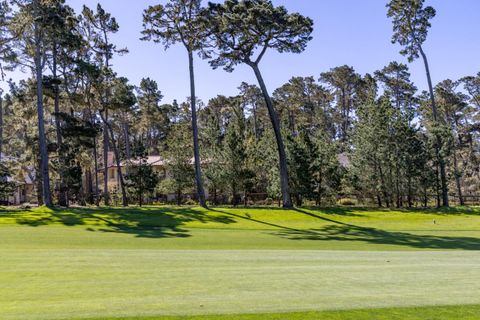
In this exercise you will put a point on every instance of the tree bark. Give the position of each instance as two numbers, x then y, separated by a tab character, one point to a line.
62	195
1	125
457	179
118	163
128	153
97	184
196	148
282	158
255	122
441	160
44	170
106	196
384	189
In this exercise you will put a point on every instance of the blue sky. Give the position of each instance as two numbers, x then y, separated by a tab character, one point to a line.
353	32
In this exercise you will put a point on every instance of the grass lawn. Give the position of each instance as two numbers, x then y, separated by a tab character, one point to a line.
176	263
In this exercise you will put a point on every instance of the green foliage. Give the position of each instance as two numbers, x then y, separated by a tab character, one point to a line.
179	164
303	154
7	185
411	21
242	28
178	21
141	179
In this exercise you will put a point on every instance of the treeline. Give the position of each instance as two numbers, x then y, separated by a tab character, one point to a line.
338	133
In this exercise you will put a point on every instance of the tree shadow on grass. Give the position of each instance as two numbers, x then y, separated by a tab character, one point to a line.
341	231
141	222
340	211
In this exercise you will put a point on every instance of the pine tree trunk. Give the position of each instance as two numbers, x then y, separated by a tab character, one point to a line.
441	160
384	189
379	197
409	196
127	139
255	122
43	151
62	195
89	186
97	183
1	125
282	158
437	185
118	163
106	196
196	148
457	179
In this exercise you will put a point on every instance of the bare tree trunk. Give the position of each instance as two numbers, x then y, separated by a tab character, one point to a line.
196	148
44	172
128	153
97	183
437	186
1	125
384	189
379	197
457	179
62	195
106	196
409	196
255	122
118	163
282	158
441	160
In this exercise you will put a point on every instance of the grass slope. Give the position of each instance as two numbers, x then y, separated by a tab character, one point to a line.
111	262
261	228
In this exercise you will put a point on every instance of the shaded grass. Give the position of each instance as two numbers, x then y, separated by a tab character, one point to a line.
330	228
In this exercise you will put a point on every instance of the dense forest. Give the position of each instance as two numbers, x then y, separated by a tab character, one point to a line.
337	136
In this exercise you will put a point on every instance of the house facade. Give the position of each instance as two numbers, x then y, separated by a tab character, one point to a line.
25	191
158	164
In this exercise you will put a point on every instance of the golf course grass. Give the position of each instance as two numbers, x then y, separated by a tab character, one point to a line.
256	263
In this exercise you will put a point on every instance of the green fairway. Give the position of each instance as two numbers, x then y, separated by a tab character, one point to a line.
161	261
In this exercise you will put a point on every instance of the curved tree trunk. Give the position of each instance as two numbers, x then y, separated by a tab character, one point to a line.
196	148
441	160
282	158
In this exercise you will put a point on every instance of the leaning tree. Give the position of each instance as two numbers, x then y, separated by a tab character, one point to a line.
243	32
411	21
179	22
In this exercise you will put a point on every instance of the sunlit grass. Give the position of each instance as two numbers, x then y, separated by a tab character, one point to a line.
258	263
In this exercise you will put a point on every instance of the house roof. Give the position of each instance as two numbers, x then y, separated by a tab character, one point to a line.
151	160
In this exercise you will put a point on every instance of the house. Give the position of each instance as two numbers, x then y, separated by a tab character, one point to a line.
114	180
25	191
158	164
